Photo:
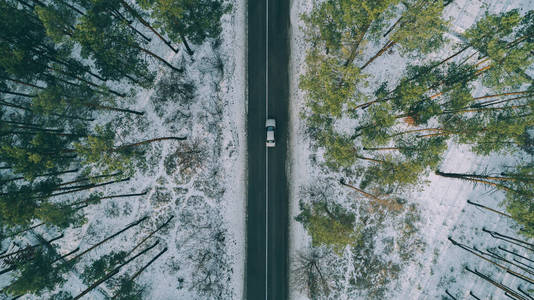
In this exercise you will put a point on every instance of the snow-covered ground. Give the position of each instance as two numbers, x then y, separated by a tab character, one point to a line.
436	265
200	181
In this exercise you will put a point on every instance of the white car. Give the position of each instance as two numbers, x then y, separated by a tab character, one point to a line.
270	126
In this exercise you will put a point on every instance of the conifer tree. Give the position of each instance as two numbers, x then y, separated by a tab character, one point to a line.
340	26
421	29
183	20
38	275
99	150
329	225
102	265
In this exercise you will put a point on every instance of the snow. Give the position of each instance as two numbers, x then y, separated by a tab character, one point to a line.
233	87
207	198
441	202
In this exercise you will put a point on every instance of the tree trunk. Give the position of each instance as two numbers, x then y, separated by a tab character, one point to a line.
384	148
17	94
497	256
113	272
502	94
365	105
3	102
468	249
86	188
516	254
186	44
119	148
108	238
525	292
73	8
473	295
463	175
484	109
144	267
503	236
97	90
87	201
29	125
31	246
513	243
122	95
24	230
443	133
151	234
36	128
451	57
24	3
146	24
467	58
523	264
494	102
104	107
364	193
392	27
88	178
24	83
499	285
489	208
450	295
86	69
389	44
160	59
118	15
134	80
36	132
356	45
474	180
370	159
416	130
30	259
41	175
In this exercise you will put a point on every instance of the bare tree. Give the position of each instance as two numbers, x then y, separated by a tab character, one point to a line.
309	274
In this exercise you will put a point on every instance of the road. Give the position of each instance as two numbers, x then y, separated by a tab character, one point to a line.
268	96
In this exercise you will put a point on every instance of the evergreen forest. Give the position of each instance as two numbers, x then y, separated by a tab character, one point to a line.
66	68
470	89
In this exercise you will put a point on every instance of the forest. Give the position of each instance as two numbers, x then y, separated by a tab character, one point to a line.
67	68
381	139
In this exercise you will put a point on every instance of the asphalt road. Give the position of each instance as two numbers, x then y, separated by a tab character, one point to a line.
268	79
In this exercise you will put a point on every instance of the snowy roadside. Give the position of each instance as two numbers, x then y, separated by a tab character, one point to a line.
301	170
233	89
442	202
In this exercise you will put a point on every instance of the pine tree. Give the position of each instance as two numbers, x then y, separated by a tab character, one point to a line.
128	290
421	29
99	150
38	275
329	84
183	20
508	61
518	186
102	265
340	26
95	31
329	225
114	271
